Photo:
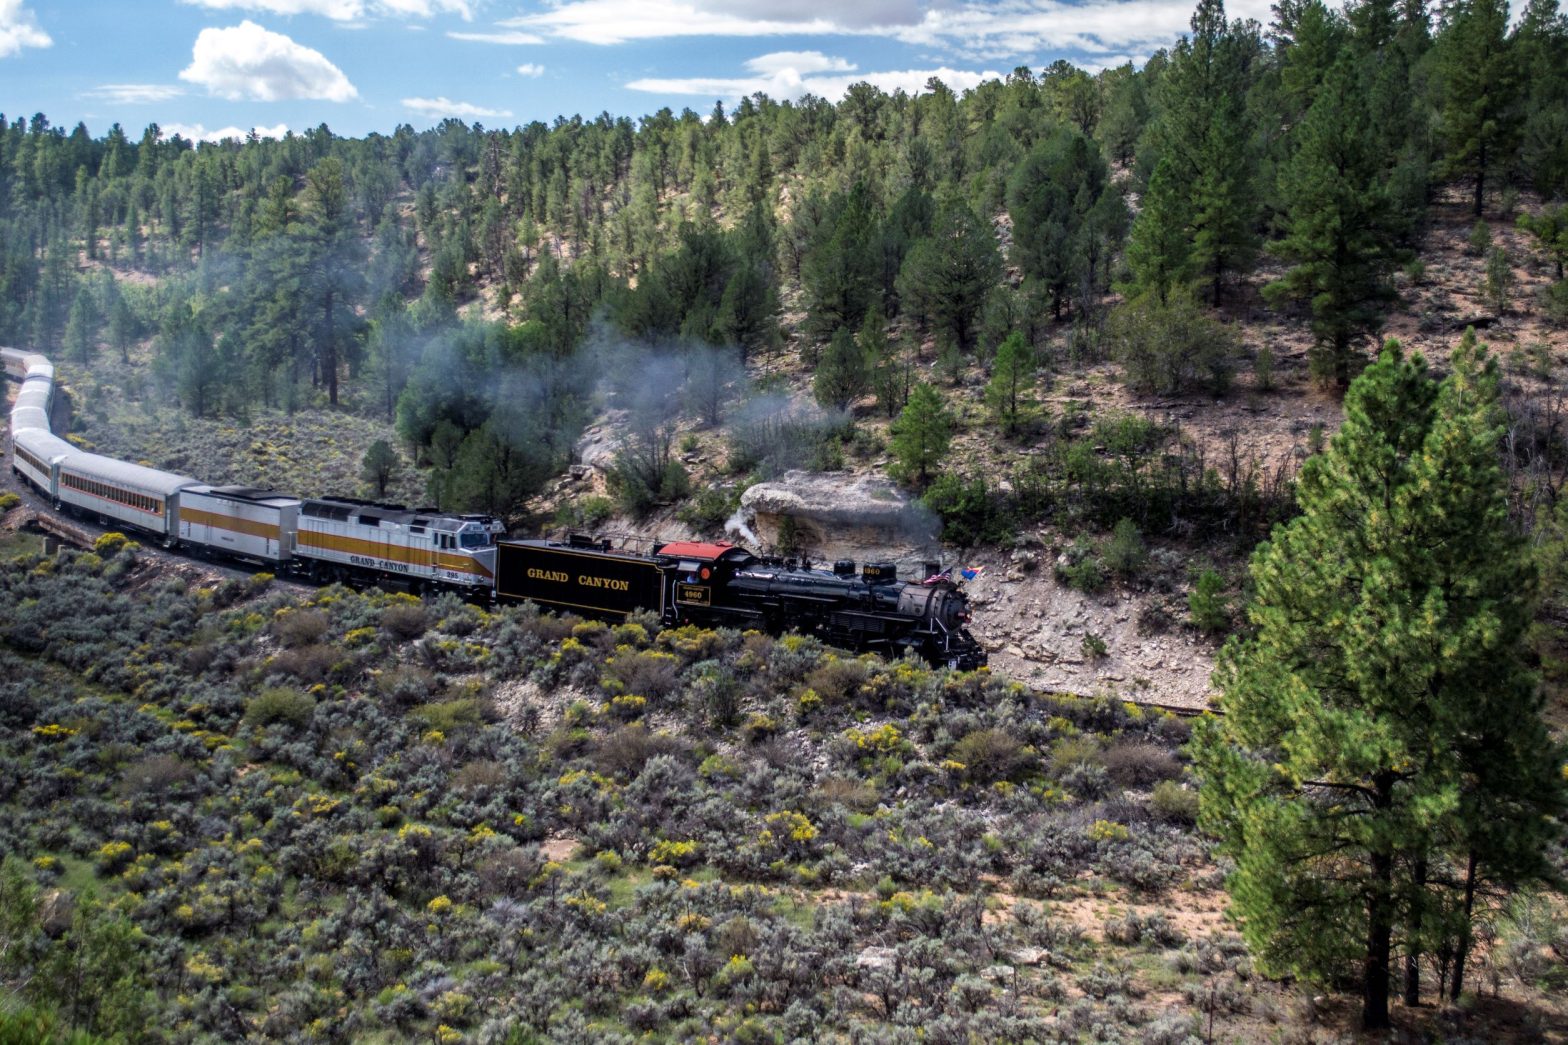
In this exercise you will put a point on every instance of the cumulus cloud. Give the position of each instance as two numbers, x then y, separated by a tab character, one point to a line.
344	10
197	133
974	28
19	29
503	36
781	81
248	61
135	93
530	69
436	108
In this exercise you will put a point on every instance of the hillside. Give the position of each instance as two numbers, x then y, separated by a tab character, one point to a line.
1108	342
352	815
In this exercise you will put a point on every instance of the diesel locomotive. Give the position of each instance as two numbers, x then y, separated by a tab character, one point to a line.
721	585
419	550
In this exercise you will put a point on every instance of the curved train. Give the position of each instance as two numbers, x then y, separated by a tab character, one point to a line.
419	550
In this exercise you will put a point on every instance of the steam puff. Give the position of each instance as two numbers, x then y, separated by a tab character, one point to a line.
248	61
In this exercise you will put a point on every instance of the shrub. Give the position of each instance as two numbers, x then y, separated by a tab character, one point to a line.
623	752
479	775
110	544
1078	567
647	673
837	679
407	685
1174	803
970	513
309	664
299	627
156	774
1263	368
1093	646
585	513
280	704
448	716
405	620
710	509
9	500
989	755
1480	238
1137	764
1207	604
1172	346
1497	289
1126	554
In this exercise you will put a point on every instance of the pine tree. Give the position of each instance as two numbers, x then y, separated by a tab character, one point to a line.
1550	229
921	434
332	280
1203	137
843	372
838	274
1541	45
378	467
1341	227
1382	730
892	365
81	326
948	275
1050	198
1480	91
1012	381
1159	251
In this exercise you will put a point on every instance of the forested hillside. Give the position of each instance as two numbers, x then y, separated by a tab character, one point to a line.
468	284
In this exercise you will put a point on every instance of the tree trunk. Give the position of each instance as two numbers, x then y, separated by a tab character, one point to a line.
1380	923
1464	930
329	356
1413	949
1480	177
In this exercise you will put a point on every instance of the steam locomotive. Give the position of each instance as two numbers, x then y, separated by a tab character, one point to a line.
340	539
720	584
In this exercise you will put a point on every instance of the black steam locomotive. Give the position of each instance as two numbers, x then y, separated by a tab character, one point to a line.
722	585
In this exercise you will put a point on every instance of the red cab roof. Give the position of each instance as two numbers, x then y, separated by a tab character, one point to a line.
695	549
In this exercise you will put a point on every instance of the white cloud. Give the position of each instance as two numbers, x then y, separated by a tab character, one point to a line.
793	83
248	61
618	21
1023	27
436	108
19	29
800	61
530	69
344	10
856	13
990	28
135	93
197	133
509	36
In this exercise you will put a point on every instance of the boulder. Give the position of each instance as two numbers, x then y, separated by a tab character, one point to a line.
833	510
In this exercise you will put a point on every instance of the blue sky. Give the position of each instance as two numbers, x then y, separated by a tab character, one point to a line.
205	68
